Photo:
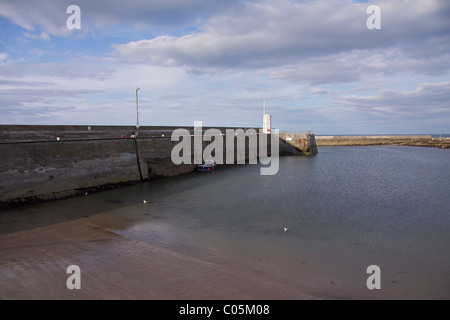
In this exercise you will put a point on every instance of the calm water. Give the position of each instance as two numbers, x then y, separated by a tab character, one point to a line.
346	208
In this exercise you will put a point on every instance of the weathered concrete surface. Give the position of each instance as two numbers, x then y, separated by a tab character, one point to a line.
53	162
52	170
406	140
303	144
27	133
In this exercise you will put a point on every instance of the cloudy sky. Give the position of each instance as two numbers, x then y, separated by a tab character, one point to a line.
317	63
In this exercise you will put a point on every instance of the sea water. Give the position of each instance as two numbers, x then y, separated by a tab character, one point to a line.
345	209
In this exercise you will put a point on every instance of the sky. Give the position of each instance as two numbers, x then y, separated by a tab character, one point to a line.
317	64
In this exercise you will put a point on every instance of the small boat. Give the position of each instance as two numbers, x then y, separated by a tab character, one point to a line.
209	165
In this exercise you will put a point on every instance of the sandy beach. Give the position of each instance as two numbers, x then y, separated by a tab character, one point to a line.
33	263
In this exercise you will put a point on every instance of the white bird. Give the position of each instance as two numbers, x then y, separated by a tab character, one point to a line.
145	201
286	229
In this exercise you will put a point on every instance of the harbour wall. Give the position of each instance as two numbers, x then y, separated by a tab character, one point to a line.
371	140
53	162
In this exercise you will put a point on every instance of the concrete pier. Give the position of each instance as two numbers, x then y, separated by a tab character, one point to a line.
302	143
403	140
53	162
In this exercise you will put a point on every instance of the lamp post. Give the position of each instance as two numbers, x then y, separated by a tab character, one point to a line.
137	112
136	135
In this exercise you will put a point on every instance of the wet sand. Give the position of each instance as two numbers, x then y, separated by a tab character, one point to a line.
34	259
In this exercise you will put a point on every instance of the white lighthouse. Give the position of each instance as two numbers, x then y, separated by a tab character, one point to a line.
266	120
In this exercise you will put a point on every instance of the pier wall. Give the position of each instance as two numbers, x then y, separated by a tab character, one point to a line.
372	140
299	143
53	162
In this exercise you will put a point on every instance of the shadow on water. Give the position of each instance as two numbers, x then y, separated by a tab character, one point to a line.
127	202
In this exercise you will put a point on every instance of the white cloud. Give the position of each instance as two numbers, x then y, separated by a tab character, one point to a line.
47	16
284	33
427	99
357	66
3	56
50	16
42	36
